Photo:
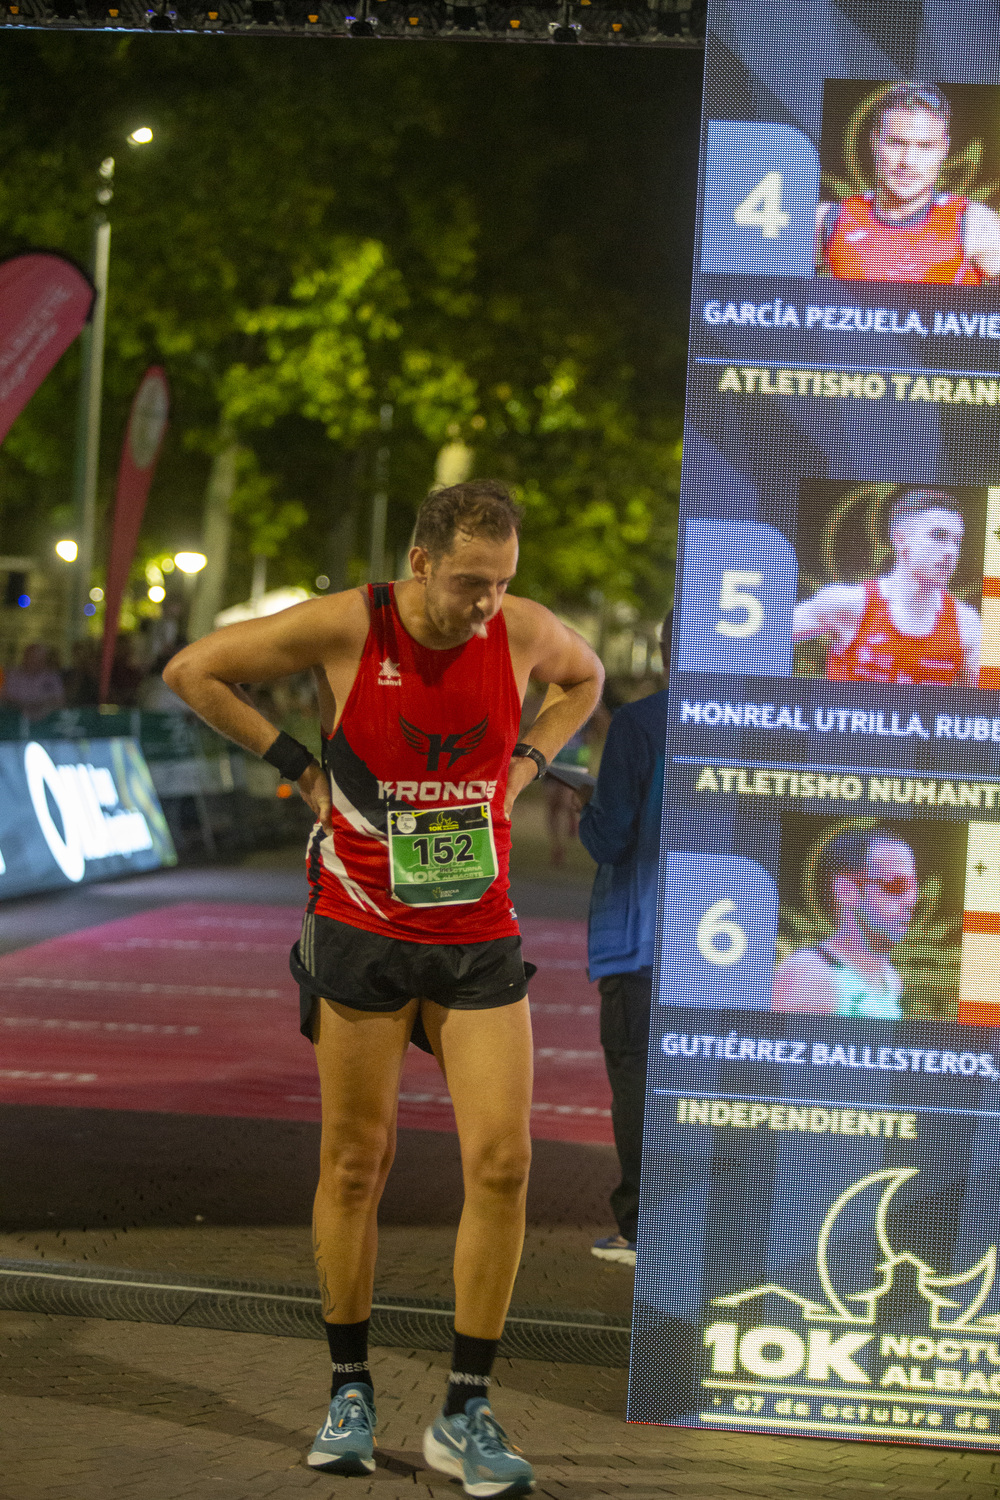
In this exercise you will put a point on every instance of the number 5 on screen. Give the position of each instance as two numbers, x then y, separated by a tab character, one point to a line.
737	594
759	200
733	595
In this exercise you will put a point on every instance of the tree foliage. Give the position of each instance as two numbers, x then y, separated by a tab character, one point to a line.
476	237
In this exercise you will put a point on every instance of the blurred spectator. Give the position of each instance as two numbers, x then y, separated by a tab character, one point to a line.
620	829
562	812
154	696
166	634
80	677
35	687
126	677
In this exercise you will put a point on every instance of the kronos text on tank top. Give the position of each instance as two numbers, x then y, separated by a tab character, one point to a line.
858	245
420	847
881	653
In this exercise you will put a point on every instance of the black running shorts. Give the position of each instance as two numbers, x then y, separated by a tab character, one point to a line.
332	961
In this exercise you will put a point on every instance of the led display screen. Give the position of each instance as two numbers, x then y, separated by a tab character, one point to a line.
821	1195
77	810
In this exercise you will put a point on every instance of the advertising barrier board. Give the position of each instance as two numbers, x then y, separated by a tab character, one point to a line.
820	1200
73	811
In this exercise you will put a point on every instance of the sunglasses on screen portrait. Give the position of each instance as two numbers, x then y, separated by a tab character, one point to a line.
899	885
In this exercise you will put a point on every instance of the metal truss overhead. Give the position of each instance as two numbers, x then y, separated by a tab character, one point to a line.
647	23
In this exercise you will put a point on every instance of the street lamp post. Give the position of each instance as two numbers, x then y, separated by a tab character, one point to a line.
88	413
88	416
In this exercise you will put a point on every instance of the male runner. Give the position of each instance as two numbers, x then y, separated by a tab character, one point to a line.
904	627
868	881
906	230
409	930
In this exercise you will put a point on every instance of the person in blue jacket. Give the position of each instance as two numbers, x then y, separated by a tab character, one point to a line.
620	829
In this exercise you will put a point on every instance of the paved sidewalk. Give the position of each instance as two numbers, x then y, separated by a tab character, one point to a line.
233	1198
95	1410
92	1410
99	1410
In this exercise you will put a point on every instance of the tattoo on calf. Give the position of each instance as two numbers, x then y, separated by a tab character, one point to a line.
326	1297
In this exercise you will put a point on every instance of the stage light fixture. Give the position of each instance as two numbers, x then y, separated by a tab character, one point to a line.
157	593
647	23
140	137
96	595
190	562
67	549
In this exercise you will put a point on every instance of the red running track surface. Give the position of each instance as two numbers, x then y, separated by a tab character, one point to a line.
191	1010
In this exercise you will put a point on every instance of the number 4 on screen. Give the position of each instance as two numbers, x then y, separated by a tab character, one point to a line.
759	200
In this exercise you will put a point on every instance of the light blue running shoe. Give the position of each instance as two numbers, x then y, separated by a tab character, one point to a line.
474	1448
345	1444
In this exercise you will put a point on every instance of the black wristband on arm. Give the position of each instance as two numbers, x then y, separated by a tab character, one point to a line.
289	756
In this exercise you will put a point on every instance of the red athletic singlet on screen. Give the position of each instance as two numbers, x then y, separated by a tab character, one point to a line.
863	247
881	653
421	730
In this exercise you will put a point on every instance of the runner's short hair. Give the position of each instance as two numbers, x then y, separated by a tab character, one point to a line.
480	507
913	96
915	502
847	854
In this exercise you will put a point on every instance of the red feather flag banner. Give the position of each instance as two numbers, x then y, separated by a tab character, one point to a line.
45	300
147	424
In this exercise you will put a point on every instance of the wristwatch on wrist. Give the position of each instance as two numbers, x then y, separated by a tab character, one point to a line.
532	754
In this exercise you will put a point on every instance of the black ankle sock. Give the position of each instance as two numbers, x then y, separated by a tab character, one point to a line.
471	1363
349	1353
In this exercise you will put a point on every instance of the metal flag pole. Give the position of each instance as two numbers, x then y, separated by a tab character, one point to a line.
88	423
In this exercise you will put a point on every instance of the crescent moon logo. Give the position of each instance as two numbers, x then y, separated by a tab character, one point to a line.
945	1309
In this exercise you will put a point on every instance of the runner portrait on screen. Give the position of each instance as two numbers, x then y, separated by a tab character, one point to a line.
904	627
906	229
868	883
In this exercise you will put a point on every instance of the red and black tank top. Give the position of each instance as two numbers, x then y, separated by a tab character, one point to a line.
879	652
424	743
858	245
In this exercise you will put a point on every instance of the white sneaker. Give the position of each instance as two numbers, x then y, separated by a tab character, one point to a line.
615	1247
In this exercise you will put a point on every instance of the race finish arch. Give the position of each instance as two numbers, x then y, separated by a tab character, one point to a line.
821	1175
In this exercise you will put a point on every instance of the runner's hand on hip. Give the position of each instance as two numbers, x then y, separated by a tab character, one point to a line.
314	788
522	773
